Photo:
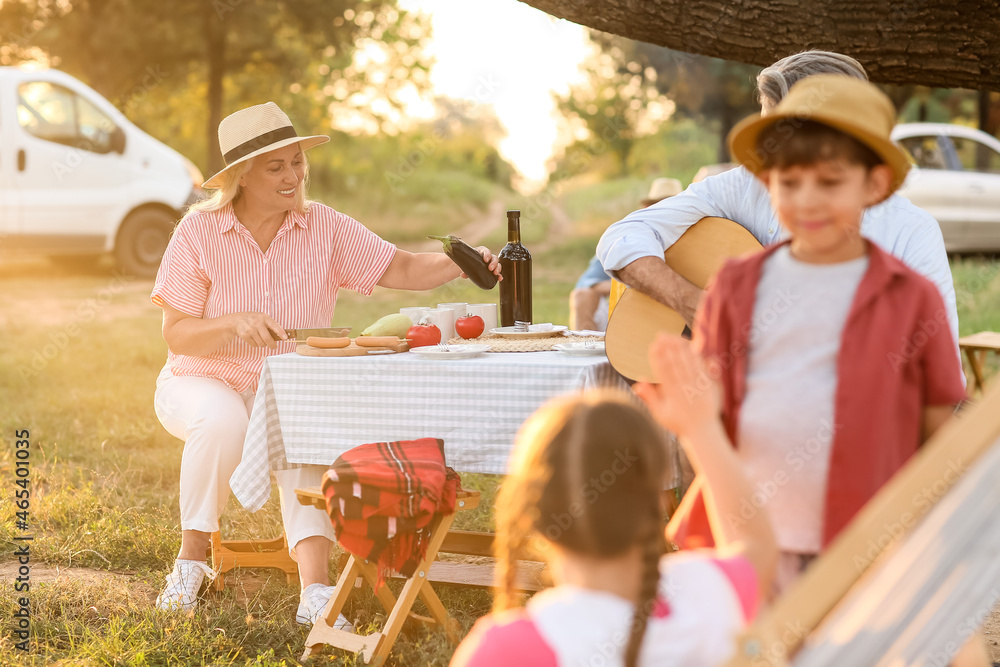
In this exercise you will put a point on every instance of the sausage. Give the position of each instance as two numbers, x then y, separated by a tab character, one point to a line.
377	341
328	343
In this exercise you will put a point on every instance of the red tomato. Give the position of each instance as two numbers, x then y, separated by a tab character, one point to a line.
470	327
423	334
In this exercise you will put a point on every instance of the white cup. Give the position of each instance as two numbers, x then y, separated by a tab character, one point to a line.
414	313
459	308
443	319
487	311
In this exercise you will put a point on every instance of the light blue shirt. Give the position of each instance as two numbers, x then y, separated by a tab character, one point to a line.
896	225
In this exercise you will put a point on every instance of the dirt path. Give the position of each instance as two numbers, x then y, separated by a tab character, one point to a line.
560	229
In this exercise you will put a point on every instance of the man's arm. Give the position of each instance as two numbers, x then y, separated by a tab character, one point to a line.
631	250
652	277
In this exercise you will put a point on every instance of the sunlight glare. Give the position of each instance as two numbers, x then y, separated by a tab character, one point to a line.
512	57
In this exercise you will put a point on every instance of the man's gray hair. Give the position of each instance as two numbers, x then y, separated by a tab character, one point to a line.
773	82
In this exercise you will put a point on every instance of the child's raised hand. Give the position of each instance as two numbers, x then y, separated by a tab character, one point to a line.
685	396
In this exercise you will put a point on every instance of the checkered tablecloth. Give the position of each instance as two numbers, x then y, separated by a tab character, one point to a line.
309	410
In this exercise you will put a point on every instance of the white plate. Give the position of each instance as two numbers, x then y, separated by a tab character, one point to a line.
509	332
453	352
581	349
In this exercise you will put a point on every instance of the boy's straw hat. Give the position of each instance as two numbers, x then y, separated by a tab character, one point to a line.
854	107
661	189
255	130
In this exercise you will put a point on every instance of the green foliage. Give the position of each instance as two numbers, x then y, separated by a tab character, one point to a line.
163	64
620	113
593	207
614	107
709	90
678	150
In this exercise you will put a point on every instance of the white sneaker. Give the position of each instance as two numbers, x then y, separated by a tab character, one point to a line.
313	601
183	584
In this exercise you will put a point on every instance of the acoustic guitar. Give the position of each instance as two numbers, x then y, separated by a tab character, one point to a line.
635	319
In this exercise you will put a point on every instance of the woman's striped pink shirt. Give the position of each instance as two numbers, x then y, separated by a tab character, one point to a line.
214	267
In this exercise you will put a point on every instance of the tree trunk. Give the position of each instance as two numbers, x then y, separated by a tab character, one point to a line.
940	43
215	47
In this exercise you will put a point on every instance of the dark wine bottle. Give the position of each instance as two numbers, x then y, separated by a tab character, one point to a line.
515	268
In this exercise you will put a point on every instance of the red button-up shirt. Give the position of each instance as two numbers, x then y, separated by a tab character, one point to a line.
214	267
896	358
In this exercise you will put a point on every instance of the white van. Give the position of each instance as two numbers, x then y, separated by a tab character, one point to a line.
78	179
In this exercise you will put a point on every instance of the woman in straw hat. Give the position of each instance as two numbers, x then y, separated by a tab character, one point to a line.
255	258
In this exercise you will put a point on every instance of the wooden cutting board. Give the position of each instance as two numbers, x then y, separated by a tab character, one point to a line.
352	350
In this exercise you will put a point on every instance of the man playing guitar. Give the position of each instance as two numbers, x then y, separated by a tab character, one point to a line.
631	250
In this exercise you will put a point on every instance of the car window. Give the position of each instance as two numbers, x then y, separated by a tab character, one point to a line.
54	113
95	126
47	111
976	156
925	152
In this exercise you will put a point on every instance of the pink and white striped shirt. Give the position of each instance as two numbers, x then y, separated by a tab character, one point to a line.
214	267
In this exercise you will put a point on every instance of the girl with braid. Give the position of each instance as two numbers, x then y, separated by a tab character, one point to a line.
584	490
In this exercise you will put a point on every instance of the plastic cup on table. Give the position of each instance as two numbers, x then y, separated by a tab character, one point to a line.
443	319
414	313
487	311
459	308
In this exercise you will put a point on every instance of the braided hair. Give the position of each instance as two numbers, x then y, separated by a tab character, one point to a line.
586	474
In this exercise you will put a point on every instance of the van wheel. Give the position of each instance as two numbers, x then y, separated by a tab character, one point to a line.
142	240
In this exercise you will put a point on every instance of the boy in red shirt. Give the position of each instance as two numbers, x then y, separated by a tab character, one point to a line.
834	359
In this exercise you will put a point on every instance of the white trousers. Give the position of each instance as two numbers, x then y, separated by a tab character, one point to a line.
211	418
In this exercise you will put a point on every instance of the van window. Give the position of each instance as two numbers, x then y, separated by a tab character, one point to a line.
54	113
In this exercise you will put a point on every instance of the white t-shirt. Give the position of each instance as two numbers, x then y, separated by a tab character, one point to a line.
787	422
702	604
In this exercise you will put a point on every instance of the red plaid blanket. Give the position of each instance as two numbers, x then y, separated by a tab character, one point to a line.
382	496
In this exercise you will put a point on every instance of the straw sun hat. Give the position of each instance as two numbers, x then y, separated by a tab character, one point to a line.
855	107
662	188
255	130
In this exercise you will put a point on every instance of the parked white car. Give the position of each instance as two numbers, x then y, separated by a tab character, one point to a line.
78	179
955	178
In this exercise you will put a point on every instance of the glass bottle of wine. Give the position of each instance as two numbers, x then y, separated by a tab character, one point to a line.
515	267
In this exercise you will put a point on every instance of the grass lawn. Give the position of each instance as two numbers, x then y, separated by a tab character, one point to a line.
79	356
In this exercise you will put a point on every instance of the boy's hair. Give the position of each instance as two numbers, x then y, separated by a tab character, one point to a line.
586	474
773	82
806	142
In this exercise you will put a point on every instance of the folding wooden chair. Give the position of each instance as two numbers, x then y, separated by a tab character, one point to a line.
976	348
230	554
375	647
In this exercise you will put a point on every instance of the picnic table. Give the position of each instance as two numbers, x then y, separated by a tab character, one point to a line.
310	410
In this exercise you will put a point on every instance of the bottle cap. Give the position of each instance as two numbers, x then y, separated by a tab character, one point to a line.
513	215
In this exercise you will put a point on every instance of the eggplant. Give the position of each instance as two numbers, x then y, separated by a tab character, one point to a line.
469	260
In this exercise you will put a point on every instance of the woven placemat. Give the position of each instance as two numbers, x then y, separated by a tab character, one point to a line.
502	344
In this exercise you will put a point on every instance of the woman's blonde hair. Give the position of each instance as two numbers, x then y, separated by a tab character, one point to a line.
586	474
773	82
231	191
